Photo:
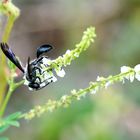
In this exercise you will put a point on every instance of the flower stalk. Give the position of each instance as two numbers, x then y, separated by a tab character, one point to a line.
101	82
66	59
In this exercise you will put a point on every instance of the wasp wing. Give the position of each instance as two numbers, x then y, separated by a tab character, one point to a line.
43	49
9	53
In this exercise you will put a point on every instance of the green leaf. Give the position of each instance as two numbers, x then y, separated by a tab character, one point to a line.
11	120
13	123
11	66
3	128
4	138
13	116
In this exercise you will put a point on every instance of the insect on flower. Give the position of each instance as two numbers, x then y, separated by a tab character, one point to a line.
35	73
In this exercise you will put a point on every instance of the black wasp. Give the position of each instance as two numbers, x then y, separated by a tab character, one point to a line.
35	74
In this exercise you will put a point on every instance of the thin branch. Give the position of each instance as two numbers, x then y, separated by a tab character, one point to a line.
12	12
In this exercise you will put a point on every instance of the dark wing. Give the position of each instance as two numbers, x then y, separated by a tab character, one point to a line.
43	49
9	53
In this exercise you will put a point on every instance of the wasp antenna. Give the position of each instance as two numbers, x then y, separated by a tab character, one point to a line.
43	49
29	68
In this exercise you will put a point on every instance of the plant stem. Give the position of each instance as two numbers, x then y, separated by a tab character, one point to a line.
5	38
8	28
11	89
12	12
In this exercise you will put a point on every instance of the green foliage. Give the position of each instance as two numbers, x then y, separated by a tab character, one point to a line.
10	120
4	138
12	86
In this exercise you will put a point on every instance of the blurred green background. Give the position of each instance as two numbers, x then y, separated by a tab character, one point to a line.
111	114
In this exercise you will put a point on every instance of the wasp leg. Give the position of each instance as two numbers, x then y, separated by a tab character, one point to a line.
39	60
35	86
37	68
46	83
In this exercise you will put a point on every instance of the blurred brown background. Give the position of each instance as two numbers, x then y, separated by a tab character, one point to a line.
112	114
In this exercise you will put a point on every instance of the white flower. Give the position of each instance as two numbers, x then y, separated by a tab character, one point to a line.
46	61
64	98
60	73
108	84
76	54
98	78
68	52
125	69
54	79
137	76
94	90
137	71
78	98
73	92
137	68
131	77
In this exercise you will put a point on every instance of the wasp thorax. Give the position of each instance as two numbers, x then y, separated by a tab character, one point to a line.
36	74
